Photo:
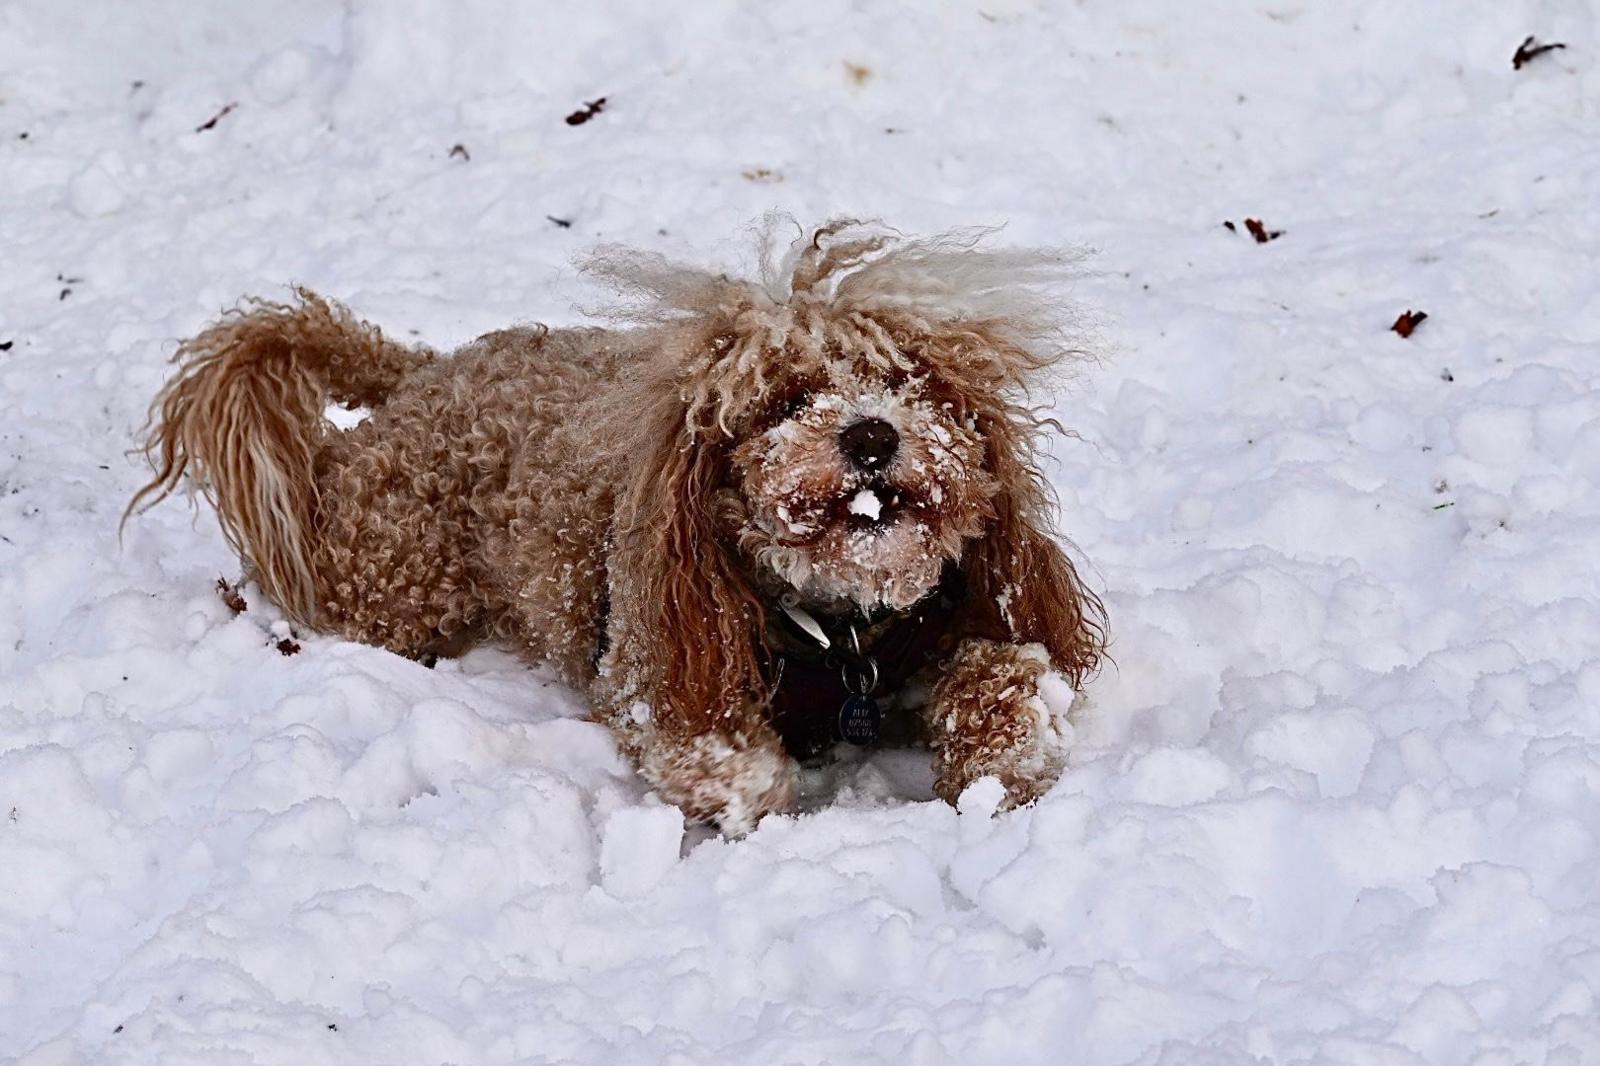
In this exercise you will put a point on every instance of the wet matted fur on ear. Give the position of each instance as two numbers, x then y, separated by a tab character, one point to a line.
1023	586
669	575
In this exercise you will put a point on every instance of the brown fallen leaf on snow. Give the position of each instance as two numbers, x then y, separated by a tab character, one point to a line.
1261	233
232	598
1408	322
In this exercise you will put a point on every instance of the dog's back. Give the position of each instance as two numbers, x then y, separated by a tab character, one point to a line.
464	504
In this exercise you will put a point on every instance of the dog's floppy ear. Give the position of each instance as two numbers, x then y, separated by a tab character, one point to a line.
1022	585
690	619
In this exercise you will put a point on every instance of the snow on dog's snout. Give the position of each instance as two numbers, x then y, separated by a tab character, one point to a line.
866	504
871	533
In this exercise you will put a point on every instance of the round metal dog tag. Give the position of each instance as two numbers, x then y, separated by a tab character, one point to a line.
859	719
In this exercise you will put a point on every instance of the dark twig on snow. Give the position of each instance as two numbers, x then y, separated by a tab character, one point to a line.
586	112
211	123
1528	50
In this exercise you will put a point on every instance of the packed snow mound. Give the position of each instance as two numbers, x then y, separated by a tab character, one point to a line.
1338	798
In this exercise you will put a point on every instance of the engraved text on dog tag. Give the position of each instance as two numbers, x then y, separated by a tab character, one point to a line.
859	718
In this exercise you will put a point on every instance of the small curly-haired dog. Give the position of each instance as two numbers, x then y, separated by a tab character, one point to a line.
752	520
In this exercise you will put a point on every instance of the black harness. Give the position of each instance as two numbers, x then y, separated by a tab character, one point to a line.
823	692
827	673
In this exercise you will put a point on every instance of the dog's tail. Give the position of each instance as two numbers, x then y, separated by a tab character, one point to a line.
244	417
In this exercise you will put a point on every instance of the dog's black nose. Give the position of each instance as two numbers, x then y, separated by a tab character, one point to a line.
870	443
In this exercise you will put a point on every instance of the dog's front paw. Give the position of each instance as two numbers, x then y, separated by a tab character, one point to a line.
988	718
731	782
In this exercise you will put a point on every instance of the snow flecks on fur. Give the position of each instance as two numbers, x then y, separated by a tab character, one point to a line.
722	432
725	780
859	294
1002	600
988	718
244	416
801	502
664	482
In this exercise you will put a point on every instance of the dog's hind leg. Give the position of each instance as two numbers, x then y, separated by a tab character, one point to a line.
244	418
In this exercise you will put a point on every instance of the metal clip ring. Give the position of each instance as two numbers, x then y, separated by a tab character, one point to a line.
862	680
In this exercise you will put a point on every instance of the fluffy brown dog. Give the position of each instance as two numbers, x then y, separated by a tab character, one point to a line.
746	521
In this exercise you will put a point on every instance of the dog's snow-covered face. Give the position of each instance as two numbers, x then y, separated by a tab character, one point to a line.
856	487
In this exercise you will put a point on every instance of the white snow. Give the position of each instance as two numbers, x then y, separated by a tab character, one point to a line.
95	190
1338	798
866	504
638	847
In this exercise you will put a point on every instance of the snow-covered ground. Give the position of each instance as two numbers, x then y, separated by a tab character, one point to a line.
1338	801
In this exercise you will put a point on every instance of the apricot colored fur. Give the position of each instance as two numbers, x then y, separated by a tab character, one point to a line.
627	503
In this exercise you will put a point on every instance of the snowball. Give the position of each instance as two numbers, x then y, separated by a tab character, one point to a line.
866	503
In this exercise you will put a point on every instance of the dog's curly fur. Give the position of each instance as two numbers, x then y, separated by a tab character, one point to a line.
628	504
